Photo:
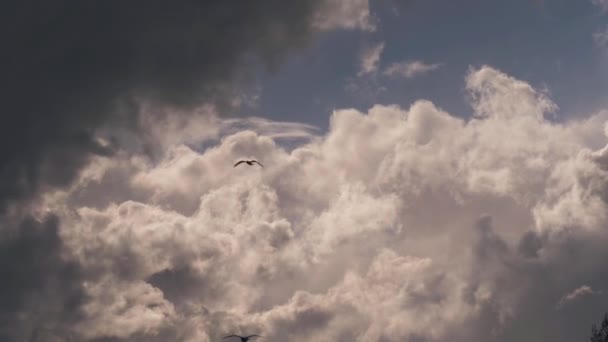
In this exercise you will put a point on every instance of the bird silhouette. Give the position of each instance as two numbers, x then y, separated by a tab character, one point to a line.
248	162
243	338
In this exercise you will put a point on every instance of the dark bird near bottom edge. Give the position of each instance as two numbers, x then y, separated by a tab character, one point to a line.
248	162
243	338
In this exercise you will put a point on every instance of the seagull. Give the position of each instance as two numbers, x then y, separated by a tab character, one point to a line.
248	162
243	338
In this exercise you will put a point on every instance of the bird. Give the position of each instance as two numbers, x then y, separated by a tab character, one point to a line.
248	162
243	338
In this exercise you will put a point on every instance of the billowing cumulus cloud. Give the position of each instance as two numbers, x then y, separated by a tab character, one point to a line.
396	224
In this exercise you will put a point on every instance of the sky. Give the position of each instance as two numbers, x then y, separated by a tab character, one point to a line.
433	170
548	43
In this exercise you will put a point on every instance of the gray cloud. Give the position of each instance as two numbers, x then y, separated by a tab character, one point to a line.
70	67
41	291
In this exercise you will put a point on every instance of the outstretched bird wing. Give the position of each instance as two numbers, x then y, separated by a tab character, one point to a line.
242	161
250	336
231	336
255	161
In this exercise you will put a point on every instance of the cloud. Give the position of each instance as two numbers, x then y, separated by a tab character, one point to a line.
576	294
344	14
41	289
395	224
72	69
272	129
370	59
120	309
410	69
602	4
496	94
97	92
600	38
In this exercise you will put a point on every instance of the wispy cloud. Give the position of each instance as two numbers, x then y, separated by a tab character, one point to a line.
410	69
602	4
344	14
578	293
269	128
370	59
600	38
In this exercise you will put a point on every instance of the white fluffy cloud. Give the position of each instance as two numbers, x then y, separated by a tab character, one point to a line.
397	224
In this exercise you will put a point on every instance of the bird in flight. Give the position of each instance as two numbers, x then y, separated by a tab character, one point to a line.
243	338
248	162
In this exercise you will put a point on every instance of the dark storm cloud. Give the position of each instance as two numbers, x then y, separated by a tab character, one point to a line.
530	244
70	66
40	291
